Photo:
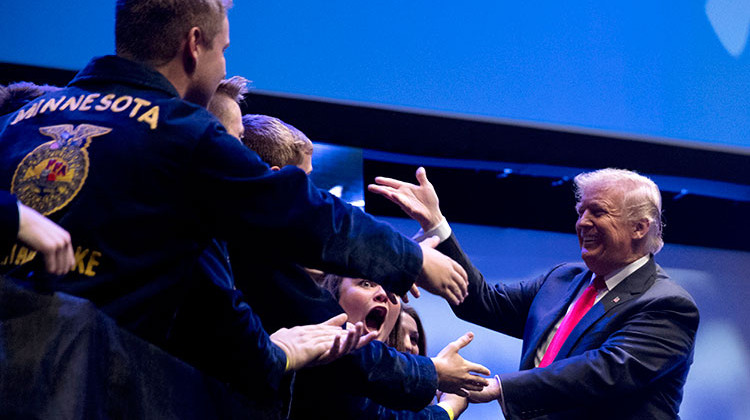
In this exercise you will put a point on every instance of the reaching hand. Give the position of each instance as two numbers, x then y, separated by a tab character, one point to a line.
441	275
359	340
47	238
455	373
316	344
490	393
420	202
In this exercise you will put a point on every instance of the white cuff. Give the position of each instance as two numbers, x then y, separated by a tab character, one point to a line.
442	231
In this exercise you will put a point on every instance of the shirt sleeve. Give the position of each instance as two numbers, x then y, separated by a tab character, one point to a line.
442	231
390	378
215	320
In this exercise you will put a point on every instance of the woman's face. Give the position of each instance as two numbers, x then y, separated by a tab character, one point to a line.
366	301
409	334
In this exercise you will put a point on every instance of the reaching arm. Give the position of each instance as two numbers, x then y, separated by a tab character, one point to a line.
454	404
287	211
455	373
20	222
317	344
420	202
441	275
47	238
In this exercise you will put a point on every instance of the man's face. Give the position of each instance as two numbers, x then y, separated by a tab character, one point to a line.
210	67
604	233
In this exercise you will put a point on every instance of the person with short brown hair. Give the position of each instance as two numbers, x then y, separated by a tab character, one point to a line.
225	104
279	144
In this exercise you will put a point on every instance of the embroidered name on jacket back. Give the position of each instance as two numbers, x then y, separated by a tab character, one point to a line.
138	108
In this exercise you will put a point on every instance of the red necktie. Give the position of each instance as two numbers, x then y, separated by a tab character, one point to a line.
581	306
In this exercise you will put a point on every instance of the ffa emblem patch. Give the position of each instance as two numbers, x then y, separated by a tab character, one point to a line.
49	177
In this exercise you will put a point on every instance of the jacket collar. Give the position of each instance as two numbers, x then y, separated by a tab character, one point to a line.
111	68
635	284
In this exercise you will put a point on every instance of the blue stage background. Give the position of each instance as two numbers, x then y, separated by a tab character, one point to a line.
664	71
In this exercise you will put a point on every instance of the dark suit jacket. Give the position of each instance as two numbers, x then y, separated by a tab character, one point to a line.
627	358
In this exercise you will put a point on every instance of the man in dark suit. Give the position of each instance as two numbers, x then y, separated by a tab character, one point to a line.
611	338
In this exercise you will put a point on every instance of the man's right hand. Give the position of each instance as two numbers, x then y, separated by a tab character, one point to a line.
441	275
420	202
489	393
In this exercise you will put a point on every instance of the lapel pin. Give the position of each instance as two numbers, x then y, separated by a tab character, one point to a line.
616	299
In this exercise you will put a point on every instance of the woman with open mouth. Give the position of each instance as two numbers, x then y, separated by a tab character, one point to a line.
381	312
366	301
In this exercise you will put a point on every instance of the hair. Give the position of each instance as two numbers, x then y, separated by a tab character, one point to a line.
332	283
276	142
151	31
234	88
16	95
641	198
395	338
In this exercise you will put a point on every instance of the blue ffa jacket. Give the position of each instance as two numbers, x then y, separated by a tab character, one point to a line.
628	357
8	220
143	180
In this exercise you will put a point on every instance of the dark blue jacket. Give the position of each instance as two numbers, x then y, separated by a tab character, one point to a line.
8	221
143	180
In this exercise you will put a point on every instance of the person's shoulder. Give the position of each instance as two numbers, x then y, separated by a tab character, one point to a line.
191	119
562	273
568	268
665	286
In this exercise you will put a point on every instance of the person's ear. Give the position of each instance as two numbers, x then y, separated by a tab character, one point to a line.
275	168
641	228
190	51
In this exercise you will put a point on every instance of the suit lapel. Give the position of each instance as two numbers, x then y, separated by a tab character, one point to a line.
552	316
632	286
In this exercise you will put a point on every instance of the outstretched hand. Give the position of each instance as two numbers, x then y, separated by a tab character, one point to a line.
441	275
420	202
317	344
489	393
455	373
46	237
